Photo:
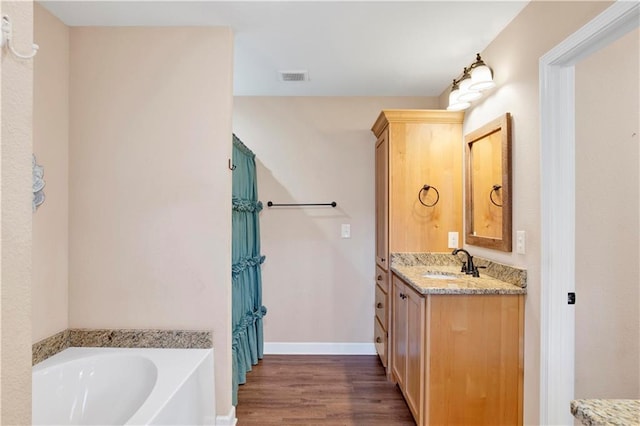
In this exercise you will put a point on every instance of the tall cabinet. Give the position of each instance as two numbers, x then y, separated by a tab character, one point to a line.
415	150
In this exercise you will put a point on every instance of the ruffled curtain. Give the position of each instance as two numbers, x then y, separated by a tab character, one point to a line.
247	309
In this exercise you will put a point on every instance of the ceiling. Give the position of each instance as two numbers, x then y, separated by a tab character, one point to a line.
349	48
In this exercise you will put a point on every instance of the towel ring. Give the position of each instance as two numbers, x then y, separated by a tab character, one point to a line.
426	188
496	188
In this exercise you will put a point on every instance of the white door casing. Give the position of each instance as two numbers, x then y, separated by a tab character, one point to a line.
557	162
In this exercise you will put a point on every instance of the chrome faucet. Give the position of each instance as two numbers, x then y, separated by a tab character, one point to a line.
467	267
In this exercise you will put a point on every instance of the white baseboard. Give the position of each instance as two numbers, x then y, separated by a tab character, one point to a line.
318	348
229	419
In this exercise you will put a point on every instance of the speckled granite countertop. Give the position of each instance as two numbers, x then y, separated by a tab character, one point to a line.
412	268
605	412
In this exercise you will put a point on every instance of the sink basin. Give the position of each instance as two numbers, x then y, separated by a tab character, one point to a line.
440	276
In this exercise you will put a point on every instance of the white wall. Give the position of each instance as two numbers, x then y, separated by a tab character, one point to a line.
607	222
150	192
50	280
317	287
513	55
16	108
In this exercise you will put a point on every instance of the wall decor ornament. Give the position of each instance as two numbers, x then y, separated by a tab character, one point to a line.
38	184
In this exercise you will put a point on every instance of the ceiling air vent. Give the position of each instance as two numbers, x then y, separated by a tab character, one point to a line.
294	76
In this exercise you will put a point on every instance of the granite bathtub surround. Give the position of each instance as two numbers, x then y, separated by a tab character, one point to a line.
49	346
412	267
499	271
121	338
174	339
601	412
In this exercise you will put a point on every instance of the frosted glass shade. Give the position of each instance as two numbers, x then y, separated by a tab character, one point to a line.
467	94
458	106
453	96
454	101
481	79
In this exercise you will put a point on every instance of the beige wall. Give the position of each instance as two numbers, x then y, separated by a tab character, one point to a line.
513	56
607	224
317	286
50	279
16	79
150	192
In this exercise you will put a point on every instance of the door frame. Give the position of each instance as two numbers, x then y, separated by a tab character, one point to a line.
557	163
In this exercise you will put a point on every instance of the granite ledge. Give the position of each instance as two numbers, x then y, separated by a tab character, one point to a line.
606	412
176	339
120	338
50	346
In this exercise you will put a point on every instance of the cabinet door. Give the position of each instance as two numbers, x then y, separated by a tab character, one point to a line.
424	154
399	334
382	200
414	383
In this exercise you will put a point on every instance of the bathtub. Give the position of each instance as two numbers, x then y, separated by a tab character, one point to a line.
113	386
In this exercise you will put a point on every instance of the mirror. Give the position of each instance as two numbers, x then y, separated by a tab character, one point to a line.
488	185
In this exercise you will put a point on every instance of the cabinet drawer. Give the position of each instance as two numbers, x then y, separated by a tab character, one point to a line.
381	307
382	279
380	340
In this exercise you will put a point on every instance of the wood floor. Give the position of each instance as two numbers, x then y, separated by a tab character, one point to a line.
320	390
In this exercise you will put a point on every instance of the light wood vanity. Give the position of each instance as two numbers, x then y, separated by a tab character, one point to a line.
453	345
457	347
414	148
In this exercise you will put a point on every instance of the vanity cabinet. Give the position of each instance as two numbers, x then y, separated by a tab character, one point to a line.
407	345
458	358
415	148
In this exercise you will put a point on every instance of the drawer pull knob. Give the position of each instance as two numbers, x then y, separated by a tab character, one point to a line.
378	340
379	277
379	305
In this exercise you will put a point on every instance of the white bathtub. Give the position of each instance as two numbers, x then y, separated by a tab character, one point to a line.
109	386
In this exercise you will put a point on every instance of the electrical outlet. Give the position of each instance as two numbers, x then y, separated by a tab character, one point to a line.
345	230
453	240
520	242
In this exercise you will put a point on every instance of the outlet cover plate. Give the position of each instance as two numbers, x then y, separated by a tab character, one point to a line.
521	242
453	240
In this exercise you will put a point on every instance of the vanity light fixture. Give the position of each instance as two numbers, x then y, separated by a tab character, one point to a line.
469	86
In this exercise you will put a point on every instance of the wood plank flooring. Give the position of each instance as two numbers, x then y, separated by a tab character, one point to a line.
320	390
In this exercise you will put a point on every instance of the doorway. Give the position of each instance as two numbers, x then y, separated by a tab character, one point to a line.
557	110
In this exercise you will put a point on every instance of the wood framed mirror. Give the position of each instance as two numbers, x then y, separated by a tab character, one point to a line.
488	185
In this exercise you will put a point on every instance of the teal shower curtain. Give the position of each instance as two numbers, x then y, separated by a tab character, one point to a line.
247	309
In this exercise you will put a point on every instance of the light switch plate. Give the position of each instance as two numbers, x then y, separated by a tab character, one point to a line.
345	230
520	242
453	240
